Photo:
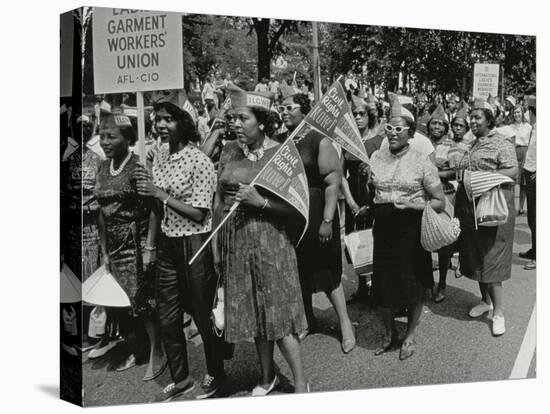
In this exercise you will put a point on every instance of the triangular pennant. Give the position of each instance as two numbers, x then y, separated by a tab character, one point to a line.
285	176
101	288
332	117
71	288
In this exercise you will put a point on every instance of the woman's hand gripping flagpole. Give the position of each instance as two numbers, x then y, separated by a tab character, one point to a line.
236	204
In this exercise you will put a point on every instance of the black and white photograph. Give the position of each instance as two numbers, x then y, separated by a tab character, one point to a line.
264	204
256	206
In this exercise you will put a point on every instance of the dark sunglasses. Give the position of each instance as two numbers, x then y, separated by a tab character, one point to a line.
359	113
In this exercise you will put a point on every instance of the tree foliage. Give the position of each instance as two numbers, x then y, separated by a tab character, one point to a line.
440	57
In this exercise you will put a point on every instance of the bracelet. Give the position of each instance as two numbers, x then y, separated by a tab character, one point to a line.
327	221
150	248
266	202
165	201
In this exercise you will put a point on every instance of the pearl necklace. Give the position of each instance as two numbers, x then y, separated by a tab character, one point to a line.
254	155
116	172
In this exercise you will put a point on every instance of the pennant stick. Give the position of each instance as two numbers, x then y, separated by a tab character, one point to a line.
236	204
231	210
475	213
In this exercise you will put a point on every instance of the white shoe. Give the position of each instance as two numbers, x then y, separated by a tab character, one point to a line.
481	308
498	325
260	391
99	352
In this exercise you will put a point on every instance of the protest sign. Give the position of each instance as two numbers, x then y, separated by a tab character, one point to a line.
332	117
284	175
485	80
136	50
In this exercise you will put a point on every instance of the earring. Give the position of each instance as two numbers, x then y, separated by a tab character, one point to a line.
261	127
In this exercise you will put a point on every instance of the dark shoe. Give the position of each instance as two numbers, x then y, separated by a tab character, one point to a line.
440	295
527	255
172	390
407	350
388	344
128	363
210	386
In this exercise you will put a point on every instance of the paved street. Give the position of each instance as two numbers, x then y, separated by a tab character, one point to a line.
451	347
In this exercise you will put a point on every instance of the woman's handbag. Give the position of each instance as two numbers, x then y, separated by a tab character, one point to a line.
218	311
359	245
438	230
492	210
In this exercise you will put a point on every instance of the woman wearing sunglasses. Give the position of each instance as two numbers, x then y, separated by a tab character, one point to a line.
402	179
354	181
319	253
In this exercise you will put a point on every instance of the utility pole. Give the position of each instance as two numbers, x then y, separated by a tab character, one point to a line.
316	65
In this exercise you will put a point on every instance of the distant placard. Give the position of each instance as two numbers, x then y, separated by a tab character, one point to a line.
136	50
486	80
66	29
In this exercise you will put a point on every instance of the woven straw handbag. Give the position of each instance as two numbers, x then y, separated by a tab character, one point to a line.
438	230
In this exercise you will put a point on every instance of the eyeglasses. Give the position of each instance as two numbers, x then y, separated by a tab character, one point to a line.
289	108
359	113
398	129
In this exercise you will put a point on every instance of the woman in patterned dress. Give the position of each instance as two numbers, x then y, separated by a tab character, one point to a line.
255	253
486	252
320	251
403	179
122	221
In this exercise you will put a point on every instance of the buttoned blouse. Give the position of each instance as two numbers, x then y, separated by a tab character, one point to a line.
489	153
403	176
188	176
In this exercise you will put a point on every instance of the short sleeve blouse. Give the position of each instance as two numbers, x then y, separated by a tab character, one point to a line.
188	176
406	175
490	153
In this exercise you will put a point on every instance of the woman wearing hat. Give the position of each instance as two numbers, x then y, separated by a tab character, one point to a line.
182	190
522	132
256	256
319	253
402	179
354	182
122	222
438	132
486	252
